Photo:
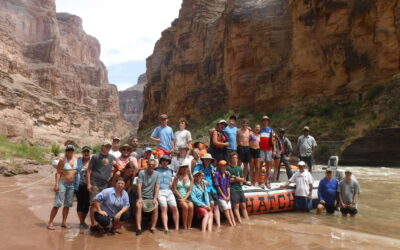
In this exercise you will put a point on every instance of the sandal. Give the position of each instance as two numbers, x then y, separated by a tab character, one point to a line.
51	227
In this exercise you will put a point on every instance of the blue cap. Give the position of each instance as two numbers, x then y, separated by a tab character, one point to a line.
148	149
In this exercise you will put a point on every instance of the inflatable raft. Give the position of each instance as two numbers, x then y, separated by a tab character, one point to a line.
261	201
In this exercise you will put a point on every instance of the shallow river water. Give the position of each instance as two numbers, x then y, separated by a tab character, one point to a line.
25	203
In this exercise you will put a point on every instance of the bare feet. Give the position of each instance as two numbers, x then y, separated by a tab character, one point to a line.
65	226
51	226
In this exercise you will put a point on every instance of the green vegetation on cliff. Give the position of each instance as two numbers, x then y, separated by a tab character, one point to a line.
11	150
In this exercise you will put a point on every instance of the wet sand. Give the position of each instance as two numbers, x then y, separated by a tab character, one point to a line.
26	208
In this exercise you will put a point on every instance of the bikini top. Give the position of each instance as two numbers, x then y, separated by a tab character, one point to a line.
181	185
68	167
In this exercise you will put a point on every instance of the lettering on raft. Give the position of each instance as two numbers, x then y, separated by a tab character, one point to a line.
260	204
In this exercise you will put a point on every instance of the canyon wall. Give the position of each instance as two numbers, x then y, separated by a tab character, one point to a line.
267	54
53	85
131	102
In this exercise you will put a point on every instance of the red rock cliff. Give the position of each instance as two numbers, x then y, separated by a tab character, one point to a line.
52	84
266	54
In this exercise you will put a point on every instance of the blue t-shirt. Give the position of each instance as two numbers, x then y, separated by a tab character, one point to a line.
327	190
166	175
231	132
166	136
208	176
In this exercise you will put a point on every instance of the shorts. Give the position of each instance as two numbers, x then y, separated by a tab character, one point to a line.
330	209
200	212
308	160
161	152
65	194
254	153
166	198
95	191
220	154
213	198
237	197
244	154
303	203
225	205
347	210
266	155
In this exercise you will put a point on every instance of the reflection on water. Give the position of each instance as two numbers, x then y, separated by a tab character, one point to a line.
377	225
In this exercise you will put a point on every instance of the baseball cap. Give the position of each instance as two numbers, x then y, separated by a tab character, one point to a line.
222	163
148	149
347	171
86	148
163	116
301	163
222	122
306	128
282	130
106	143
70	147
265	117
197	172
165	158
328	170
116	138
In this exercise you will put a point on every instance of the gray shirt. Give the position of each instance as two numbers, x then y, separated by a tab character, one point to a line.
101	166
148	183
347	190
306	145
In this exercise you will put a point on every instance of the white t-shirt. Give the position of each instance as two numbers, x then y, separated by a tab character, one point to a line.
175	163
303	181
116	154
182	138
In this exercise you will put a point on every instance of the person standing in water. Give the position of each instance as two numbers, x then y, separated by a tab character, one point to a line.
237	195
307	145
348	190
255	167
243	149
327	193
304	185
266	147
164	136
64	186
82	194
183	138
222	183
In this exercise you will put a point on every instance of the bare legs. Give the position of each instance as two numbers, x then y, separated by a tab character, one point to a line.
82	217
92	220
187	214
254	170
268	166
154	217
246	171
276	168
217	216
207	222
53	214
229	215
236	211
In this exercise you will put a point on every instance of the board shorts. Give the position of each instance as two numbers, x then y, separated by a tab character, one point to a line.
200	212
266	155
65	194
346	211
244	153
255	153
237	197
166	198
224	205
161	152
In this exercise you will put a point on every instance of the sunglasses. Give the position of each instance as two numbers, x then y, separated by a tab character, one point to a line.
125	149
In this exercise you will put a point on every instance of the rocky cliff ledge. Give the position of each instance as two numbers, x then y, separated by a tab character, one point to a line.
131	102
52	84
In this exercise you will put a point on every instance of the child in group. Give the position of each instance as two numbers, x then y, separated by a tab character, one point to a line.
222	183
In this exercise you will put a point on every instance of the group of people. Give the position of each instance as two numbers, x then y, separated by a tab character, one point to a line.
184	180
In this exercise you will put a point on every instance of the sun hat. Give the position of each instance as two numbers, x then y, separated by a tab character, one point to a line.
301	163
86	148
207	156
165	158
265	117
222	122
106	143
125	146
148	206
70	147
197	172
148	149
184	165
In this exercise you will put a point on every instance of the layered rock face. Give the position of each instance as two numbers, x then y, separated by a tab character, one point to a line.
131	102
52	84
267	54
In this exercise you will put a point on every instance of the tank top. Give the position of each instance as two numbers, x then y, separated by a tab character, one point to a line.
183	188
68	167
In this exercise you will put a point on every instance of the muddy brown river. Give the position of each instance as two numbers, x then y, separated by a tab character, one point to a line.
25	203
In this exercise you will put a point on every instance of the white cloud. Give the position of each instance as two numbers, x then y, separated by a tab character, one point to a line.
127	29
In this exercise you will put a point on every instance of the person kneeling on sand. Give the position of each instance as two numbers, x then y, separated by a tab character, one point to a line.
112	205
148	188
327	193
222	183
64	187
201	201
304	185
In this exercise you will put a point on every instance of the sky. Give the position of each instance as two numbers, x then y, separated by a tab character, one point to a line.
126	29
